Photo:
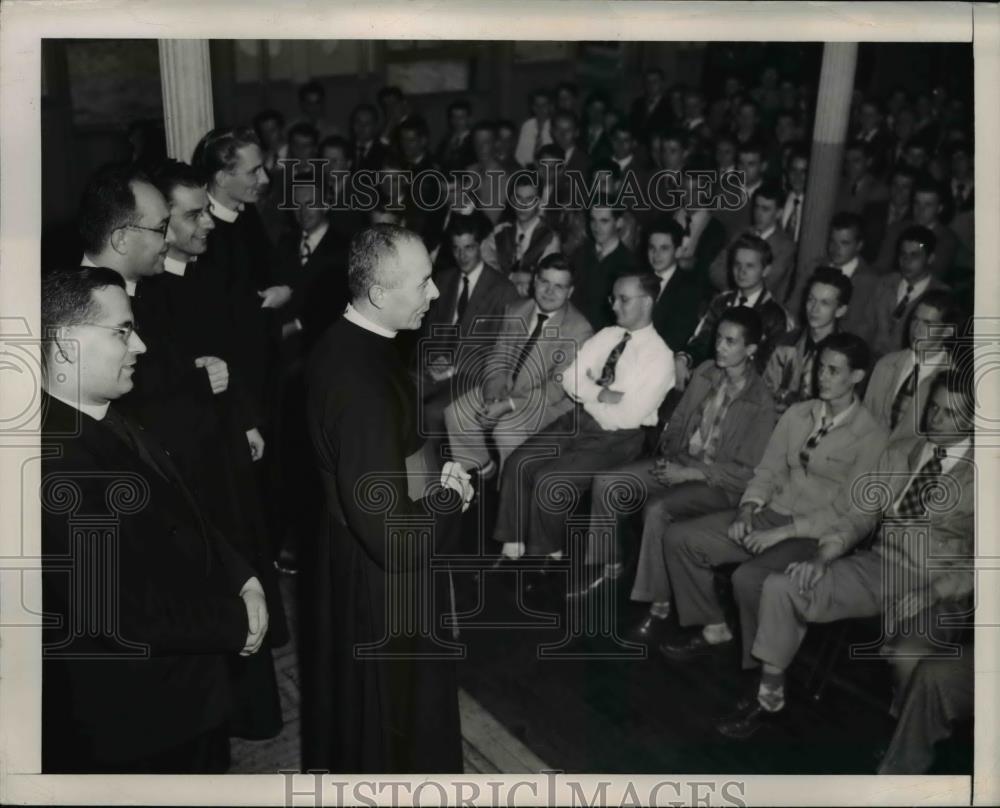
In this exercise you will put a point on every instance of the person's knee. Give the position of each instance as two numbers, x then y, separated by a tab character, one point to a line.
747	580
656	510
777	587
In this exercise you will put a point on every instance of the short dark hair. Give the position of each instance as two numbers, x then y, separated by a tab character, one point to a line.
365	107
751	146
678	135
649	282
855	349
335	142
923	236
387	92
504	123
569	86
554	261
747	319
566	115
551	150
67	299
217	151
944	301
669	226
304	129
845	220
369	248
108	203
311	87
748	241
606	165
622	126
928	185
831	276
175	174
526	177
267	115
465	226
605	201
415	124
461	104
769	189
903	170
959	380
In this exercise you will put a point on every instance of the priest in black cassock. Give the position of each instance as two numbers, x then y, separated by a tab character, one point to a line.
396	710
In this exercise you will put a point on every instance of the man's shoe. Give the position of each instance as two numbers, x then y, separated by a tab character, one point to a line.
599	577
694	645
287	563
648	630
748	721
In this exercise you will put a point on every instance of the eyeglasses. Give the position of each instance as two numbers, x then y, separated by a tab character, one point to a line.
623	299
162	229
124	332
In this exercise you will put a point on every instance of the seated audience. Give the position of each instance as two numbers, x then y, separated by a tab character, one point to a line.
522	243
597	263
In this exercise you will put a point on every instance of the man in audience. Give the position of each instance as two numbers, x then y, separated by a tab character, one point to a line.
894	576
843	251
346	217
858	186
928	208
706	455
521	244
455	150
521	393
796	175
536	131
789	372
749	260
597	263
312	104
750	160
595	136
885	218
269	125
675	313
799	491
619	378
766	202
901	381
506	143
151	693
651	111
395	111
566	135
491	176
368	150
888	300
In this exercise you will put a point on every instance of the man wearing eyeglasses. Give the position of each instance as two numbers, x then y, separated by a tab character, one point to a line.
799	490
148	691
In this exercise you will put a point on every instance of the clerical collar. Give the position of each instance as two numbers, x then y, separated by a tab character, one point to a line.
352	315
95	411
87	261
220	211
175	266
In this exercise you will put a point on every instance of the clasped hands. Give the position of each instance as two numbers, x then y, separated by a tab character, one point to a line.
607	395
742	531
492	411
440	369
667	473
257	620
455	477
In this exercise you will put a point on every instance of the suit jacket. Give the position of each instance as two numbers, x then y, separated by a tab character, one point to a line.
744	431
876	219
776	322
675	313
594	280
162	679
855	197
372	161
818	494
944	251
863	273
783	374
950	522
645	122
455	158
872	317
882	389
778	279
564	331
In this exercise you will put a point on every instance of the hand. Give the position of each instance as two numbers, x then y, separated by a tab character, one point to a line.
681	372
440	370
256	441
218	372
742	525
257	618
455	477
290	328
607	396
672	473
274	297
912	603
806	573
757	541
492	412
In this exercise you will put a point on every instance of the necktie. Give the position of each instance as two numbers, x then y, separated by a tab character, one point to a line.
900	310
608	373
805	378
793	218
814	440
520	246
912	504
526	349
463	299
903	396
305	251
740	301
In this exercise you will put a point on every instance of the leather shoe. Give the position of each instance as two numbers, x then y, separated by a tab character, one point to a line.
689	647
598	578
647	630
748	721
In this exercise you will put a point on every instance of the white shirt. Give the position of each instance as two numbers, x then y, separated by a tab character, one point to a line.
568	154
953	454
918	289
850	267
625	162
352	315
315	237
768	233
129	285
644	375
220	211
822	412
473	279
751	299
525	151
930	365
521	244
174	266
95	411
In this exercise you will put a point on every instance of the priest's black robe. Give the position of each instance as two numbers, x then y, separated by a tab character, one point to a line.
373	715
181	318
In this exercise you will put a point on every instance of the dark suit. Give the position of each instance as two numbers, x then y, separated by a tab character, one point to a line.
453	157
370	160
701	346
645	121
110	702
873	318
393	712
779	278
594	279
880	394
675	313
877	225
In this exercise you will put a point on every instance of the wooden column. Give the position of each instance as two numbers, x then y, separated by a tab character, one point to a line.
186	78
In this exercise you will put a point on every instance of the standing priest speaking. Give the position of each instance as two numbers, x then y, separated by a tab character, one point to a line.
376	701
